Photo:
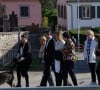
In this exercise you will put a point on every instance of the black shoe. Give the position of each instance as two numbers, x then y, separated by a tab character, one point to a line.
38	86
27	85
18	85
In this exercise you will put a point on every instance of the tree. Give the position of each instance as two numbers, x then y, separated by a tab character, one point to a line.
49	9
48	6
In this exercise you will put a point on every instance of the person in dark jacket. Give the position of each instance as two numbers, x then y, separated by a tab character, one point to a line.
23	60
48	57
41	58
98	59
68	52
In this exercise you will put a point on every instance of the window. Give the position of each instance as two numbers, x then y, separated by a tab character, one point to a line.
86	12
98	11
62	11
24	11
62	14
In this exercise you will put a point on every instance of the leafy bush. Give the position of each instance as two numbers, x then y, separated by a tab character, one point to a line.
97	30
82	35
45	22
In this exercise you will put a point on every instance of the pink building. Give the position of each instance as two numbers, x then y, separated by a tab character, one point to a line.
28	11
62	14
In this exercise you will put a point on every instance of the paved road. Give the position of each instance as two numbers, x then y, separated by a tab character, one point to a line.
35	77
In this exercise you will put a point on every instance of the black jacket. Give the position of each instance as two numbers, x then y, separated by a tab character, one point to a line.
26	50
49	52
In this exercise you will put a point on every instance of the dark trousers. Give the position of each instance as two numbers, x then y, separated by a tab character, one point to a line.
98	71
93	72
50	79
47	74
22	70
19	78
67	67
58	78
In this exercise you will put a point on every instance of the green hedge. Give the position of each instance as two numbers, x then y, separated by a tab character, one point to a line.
97	30
83	34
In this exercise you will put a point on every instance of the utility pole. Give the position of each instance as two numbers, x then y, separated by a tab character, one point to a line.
78	26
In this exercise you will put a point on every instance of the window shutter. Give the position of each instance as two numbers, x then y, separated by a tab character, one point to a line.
98	11
92	11
64	12
80	12
59	10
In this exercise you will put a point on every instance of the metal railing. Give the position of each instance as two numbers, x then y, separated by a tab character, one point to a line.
7	56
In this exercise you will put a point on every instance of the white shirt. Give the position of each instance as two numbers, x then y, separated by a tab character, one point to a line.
21	51
48	41
59	44
92	56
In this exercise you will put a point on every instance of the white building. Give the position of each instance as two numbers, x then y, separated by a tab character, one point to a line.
62	14
89	14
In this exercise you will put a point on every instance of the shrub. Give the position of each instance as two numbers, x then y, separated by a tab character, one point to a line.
82	35
97	30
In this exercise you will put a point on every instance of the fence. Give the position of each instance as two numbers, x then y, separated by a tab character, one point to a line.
9	46
7	55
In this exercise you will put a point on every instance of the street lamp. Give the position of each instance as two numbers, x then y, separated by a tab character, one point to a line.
78	25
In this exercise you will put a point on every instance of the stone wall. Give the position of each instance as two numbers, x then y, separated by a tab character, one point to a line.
8	46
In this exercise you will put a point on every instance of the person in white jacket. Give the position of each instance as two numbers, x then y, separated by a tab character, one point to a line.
59	44
89	54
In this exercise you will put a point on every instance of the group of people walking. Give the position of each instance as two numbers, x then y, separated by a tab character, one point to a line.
57	53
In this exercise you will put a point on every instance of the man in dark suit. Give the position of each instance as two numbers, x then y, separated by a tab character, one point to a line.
48	58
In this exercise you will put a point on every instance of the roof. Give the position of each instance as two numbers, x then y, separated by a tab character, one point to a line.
83	0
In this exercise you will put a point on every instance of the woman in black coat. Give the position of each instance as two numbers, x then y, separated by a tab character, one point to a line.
23	61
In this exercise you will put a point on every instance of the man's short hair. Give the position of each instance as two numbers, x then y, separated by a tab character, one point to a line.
24	36
47	32
66	35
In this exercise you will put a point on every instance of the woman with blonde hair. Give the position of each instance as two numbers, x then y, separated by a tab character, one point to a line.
42	47
89	54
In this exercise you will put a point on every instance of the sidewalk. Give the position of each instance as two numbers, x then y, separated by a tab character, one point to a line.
35	78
